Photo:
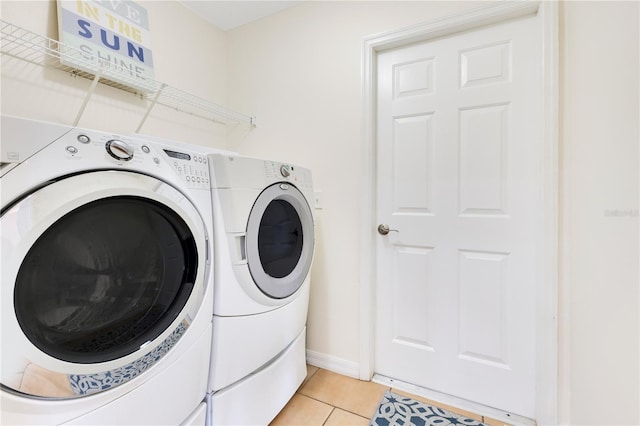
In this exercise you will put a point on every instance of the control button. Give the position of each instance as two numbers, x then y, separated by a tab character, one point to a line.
72	149
84	139
145	149
119	150
156	160
284	170
188	179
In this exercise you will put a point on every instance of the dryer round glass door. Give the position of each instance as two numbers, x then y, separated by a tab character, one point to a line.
280	240
107	271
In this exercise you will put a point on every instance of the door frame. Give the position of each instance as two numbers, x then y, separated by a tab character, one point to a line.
546	392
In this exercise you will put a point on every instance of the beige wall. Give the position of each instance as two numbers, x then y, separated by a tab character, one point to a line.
299	72
189	54
600	166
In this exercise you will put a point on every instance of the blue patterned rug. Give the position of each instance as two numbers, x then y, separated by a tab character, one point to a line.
398	410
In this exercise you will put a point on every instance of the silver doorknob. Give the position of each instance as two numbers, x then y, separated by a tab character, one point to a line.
383	229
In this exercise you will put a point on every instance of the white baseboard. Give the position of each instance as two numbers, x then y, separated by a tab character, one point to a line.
332	363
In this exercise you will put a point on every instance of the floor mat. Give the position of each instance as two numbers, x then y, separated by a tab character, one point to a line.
398	410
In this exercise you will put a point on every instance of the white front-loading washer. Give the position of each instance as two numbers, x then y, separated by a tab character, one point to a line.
107	283
264	239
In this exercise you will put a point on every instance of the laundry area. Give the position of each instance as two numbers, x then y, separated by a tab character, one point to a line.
319	212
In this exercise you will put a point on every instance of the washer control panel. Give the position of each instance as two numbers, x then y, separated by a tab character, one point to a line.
193	167
190	167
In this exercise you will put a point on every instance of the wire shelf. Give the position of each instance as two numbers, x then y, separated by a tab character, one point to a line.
36	49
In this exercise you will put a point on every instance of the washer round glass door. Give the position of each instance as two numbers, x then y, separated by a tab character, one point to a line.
107	268
280	240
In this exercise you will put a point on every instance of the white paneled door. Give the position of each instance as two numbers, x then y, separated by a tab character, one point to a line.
459	187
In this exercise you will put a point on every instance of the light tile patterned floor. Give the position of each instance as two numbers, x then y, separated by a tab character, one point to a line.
331	399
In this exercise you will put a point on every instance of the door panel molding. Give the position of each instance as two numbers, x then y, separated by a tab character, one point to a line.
547	306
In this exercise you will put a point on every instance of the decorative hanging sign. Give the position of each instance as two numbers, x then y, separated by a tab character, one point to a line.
113	34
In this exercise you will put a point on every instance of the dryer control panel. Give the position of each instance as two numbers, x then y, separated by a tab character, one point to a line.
236	171
299	176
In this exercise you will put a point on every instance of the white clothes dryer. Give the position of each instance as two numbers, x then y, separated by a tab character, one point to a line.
264	239
107	288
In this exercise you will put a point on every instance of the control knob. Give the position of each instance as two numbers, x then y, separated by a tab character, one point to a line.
284	170
119	150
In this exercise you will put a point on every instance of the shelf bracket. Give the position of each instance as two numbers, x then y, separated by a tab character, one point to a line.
151	105
92	89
